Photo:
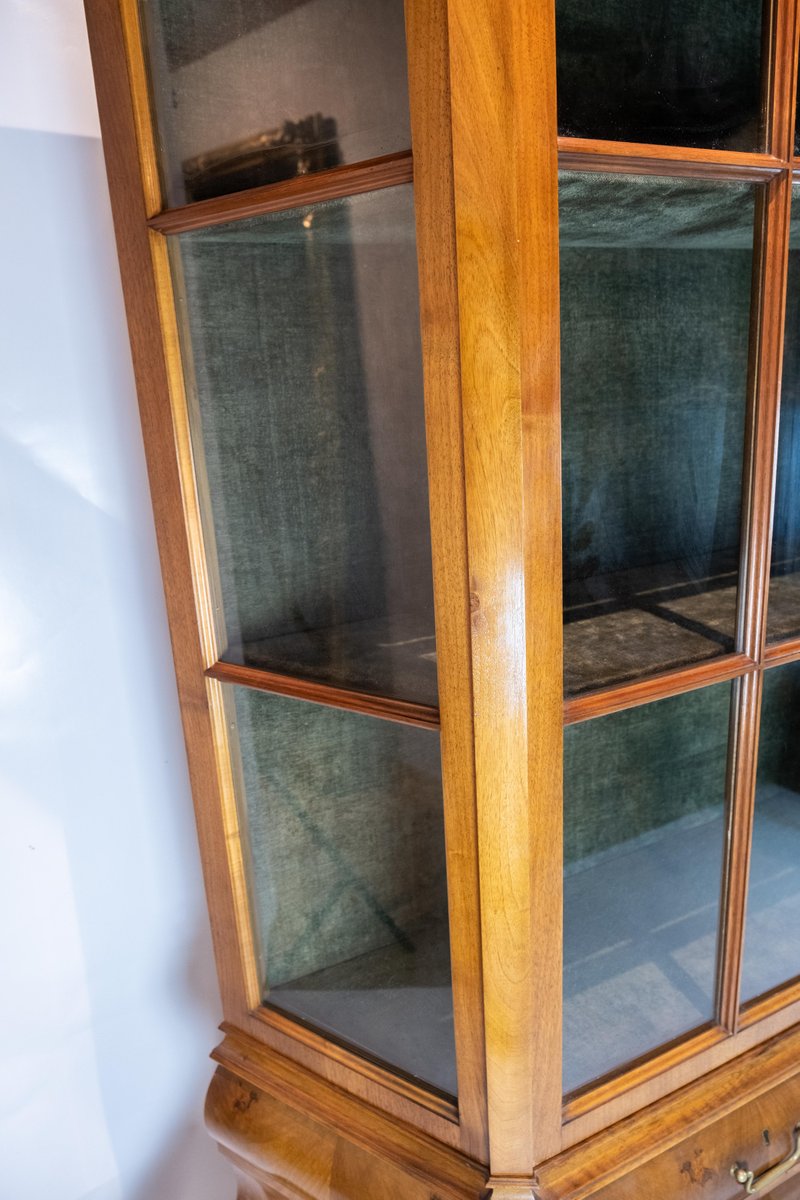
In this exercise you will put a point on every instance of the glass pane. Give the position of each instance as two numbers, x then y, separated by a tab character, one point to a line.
252	93
655	312
345	825
643	849
687	73
772	932
783	612
302	335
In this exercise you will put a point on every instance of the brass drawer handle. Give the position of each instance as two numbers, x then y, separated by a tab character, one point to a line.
752	1184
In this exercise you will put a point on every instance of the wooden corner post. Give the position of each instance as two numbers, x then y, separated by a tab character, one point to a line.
503	111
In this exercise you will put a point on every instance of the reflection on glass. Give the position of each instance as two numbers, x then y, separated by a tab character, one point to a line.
783	612
655	310
687	73
302	334
345	827
772	931
248	94
643	848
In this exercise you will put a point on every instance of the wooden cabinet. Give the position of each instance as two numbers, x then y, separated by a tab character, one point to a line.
465	334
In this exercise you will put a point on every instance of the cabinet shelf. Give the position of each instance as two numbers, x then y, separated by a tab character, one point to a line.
784	605
631	624
385	657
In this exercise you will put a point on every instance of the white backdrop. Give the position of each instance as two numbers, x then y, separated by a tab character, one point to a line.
108	1001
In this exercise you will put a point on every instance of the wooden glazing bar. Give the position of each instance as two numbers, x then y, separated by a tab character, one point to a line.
404	711
333	184
587	154
780	77
782	652
744	737
766	355
656	687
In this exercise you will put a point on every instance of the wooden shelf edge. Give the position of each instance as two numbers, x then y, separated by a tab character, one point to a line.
656	687
405	712
336	183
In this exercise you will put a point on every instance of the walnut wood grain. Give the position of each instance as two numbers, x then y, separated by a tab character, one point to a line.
503	112
429	91
279	1151
251	1064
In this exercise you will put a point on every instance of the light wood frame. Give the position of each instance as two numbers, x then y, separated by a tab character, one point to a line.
482	73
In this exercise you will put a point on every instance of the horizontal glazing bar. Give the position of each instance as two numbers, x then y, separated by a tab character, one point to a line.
657	687
782	652
585	154
402	711
351	180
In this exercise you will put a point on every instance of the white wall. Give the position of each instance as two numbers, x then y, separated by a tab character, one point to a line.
108	1001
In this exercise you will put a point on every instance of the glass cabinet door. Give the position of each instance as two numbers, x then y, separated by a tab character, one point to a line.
680	484
301	354
297	321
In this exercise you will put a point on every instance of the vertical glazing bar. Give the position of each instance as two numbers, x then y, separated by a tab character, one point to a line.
781	77
502	72
741	791
770	269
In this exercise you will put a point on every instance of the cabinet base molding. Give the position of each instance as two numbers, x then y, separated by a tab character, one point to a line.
292	1136
279	1151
